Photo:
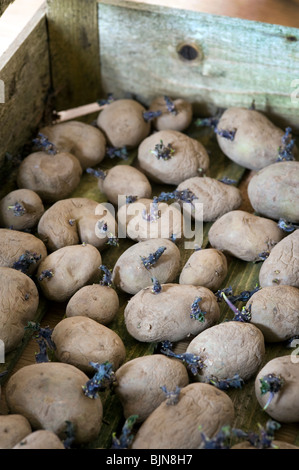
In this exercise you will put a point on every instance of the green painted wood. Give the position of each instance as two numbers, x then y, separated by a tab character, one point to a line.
238	60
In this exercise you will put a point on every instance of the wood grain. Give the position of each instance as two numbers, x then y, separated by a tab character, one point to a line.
238	61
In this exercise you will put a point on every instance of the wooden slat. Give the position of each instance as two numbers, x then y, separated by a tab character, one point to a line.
238	60
74	49
24	74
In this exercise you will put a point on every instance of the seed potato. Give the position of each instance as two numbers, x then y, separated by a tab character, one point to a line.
275	311
42	439
100	303
165	316
52	177
74	220
201	408
79	340
256	141
229	348
281	266
134	220
207	268
179	120
123	124
49	394
14	245
19	303
71	268
217	198
30	207
274	191
139	382
86	142
244	235
13	428
129	273
124	180
189	159
284	406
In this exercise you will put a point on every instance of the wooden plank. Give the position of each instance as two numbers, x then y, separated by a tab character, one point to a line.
237	60
74	50
24	78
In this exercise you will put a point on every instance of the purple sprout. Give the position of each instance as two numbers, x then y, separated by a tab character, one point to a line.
104	378
72	222
225	384
243	315
263	256
25	261
43	337
127	436
154	213
111	238
213	123
286	226
170	106
185	195
226	134
46	274
285	151
156	288
151	115
42	143
196	312
108	100
130	199
271	383
172	396
226	180
244	296
107	276
118	152
193	363
207	122
70	435
97	173
220	441
289	342
152	258
163	152
42	355
18	209
263	439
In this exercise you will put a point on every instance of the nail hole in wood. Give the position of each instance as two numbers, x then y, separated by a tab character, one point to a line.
188	52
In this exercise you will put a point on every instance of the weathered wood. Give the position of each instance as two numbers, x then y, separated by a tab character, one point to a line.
74	50
25	80
237	60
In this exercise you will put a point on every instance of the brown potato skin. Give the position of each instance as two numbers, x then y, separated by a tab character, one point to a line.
79	340
13	428
84	141
274	191
244	235
42	439
50	393
131	222
207	268
13	244
55	229
281	266
284	406
125	180
190	156
73	267
256	141
100	303
176	427
166	316
30	201
52	177
139	381
167	120
275	311
217	198
229	348
130	275
19	303
123	124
